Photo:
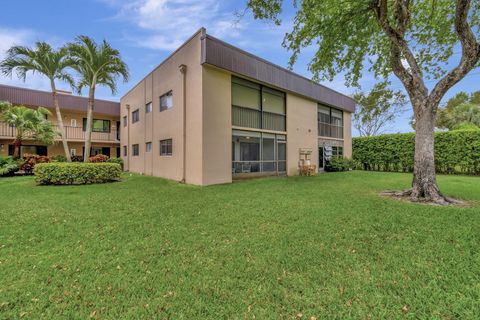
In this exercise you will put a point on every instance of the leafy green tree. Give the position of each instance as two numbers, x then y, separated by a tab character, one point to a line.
412	39
43	59
461	110
28	123
97	64
377	108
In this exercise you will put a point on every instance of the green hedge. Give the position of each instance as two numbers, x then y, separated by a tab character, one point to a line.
76	173
455	152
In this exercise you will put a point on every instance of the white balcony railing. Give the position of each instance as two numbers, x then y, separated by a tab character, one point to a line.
72	133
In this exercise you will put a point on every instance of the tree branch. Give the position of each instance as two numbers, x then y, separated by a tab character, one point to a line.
470	53
413	78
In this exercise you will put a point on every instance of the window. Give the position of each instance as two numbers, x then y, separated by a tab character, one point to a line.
258	152
135	150
135	116
148	107
148	147
73	122
166	147
125	121
166	101
73	152
125	151
337	151
98	125
330	122
257	106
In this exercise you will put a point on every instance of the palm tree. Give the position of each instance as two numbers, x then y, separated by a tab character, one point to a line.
28	123
97	64
43	59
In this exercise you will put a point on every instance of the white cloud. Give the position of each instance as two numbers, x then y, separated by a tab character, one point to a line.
168	23
25	37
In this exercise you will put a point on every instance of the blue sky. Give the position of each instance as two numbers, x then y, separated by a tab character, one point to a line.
147	31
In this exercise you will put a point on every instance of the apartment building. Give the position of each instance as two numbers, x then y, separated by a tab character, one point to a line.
211	113
105	135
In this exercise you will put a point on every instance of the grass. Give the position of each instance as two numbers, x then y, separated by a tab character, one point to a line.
283	248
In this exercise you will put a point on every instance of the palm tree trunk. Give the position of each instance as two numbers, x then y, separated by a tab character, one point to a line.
88	132
60	123
17	144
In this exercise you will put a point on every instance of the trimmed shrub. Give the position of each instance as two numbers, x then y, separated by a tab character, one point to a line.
98	158
116	160
338	163
76	173
456	152
8	166
59	158
30	160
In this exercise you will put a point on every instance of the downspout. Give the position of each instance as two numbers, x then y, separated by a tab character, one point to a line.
183	71
128	137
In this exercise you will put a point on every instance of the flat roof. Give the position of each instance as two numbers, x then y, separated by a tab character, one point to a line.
36	98
222	55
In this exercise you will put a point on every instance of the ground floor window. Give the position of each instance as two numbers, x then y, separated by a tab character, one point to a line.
258	152
135	150
166	147
28	149
328	149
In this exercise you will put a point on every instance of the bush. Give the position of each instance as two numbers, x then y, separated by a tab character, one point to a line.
455	152
116	160
76	173
59	158
98	158
8	166
338	163
30	160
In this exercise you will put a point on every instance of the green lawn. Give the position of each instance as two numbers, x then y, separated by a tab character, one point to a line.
281	248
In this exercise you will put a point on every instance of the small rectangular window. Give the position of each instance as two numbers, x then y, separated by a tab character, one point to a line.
148	107
73	152
135	116
135	150
148	147
73	122
125	121
98	125
125	151
166	147
166	101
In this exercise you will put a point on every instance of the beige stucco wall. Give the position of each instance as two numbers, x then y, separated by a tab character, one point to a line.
301	131
347	135
217	126
167	124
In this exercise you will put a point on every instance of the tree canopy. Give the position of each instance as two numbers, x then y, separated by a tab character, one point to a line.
348	33
377	108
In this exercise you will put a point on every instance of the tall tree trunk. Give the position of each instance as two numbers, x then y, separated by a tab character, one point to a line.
17	144
424	185
60	123
88	132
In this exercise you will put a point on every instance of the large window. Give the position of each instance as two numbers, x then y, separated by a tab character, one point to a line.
98	125
258	152
330	122
257	106
135	116
166	147
166	101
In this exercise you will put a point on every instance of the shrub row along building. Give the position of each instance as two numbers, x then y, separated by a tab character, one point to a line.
209	113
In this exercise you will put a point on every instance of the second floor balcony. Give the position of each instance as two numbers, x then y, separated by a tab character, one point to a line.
72	133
